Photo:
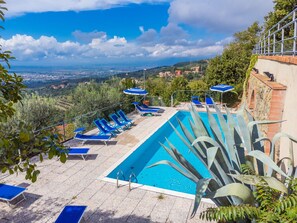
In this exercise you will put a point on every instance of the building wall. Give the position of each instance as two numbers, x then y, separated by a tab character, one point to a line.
285	73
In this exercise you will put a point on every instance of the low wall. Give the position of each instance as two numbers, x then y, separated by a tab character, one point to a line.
284	70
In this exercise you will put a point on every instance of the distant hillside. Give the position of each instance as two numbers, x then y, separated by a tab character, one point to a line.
191	63
140	73
157	70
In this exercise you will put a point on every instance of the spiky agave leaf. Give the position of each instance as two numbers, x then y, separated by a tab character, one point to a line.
243	129
238	150
195	130
201	187
213	185
290	167
229	140
185	172
190	147
215	129
257	180
221	163
230	120
276	137
223	179
198	121
264	122
191	139
234	189
222	158
187	165
211	154
255	135
267	161
183	162
197	134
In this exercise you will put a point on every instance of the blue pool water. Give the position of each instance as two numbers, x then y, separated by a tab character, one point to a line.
150	152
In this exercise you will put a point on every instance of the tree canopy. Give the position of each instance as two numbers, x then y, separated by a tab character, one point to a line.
19	142
281	9
230	68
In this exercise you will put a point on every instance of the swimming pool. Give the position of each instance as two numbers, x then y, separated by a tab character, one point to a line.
150	152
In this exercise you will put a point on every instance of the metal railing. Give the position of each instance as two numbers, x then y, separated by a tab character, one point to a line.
281	39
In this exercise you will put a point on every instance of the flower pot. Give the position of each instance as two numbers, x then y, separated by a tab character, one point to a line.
146	102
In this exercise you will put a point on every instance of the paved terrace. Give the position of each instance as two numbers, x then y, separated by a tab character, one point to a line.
77	182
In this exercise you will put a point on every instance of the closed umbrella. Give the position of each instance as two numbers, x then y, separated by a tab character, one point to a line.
222	88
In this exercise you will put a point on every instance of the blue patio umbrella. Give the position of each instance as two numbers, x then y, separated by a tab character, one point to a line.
222	88
135	91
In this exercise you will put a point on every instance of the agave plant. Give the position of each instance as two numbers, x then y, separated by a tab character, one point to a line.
228	148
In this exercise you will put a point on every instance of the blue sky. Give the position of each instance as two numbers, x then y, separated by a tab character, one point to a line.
72	32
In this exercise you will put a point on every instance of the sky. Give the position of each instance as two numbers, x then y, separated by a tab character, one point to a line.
123	32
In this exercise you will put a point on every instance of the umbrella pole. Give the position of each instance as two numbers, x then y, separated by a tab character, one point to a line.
221	101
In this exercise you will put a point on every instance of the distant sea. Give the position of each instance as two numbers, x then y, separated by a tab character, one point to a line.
41	76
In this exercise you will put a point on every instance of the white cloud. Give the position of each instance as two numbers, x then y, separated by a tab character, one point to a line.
19	7
219	15
103	49
172	34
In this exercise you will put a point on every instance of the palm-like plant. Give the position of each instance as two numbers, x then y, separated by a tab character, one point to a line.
231	148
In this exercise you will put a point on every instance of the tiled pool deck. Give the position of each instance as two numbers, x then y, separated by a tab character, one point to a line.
77	182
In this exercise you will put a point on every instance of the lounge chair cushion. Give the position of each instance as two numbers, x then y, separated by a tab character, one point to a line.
103	131
116	120
142	110
77	151
124	117
9	192
92	137
71	214
195	101
144	106
209	101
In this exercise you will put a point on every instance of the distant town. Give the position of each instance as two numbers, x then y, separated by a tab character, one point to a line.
178	72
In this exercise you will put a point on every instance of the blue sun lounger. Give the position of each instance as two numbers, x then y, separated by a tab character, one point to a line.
118	123
124	117
84	138
143	111
144	106
209	101
8	193
71	214
103	131
195	101
113	129
73	151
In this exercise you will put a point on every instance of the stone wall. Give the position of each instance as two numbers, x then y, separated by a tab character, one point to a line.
284	69
259	97
265	100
